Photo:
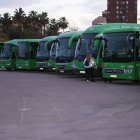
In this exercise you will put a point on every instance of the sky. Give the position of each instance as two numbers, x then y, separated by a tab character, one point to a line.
79	13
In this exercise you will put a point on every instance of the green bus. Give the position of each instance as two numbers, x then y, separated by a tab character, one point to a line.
91	42
121	54
65	51
43	52
26	54
8	55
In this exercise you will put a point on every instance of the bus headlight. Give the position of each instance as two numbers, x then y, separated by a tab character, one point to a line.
129	70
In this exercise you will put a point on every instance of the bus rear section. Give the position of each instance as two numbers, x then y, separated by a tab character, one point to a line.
8	55
66	50
121	54
43	52
27	51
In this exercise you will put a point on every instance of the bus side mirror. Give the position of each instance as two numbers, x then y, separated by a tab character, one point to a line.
73	43
130	39
58	42
38	49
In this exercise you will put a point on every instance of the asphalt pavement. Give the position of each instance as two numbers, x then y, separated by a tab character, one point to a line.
48	106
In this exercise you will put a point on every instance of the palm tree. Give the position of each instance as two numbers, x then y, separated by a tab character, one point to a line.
19	17
53	27
6	22
34	19
63	23
44	21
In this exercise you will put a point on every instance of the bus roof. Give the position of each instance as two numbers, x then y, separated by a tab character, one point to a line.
126	29
102	27
49	38
13	42
28	40
69	34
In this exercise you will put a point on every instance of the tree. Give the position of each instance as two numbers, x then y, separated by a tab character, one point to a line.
34	20
33	25
63	23
44	21
6	22
19	17
53	27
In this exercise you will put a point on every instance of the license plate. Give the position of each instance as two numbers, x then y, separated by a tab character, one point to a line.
82	72
62	71
113	76
41	68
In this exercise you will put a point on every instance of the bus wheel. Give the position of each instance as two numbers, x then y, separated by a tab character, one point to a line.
110	80
105	80
136	81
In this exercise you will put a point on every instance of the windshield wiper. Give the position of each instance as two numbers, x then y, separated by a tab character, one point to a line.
4	57
80	57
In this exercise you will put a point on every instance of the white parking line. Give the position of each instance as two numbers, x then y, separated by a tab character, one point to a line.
23	109
56	109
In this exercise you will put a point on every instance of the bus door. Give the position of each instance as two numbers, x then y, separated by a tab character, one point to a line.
33	50
137	56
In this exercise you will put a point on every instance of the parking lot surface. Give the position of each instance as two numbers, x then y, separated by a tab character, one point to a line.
46	106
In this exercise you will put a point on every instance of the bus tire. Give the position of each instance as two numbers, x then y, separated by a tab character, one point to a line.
110	80
105	80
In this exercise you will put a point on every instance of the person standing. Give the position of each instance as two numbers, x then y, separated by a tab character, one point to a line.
89	64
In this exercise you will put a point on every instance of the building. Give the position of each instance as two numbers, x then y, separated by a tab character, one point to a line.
121	11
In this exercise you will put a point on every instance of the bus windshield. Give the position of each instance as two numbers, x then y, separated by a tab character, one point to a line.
23	50
53	50
6	54
43	53
84	46
117	47
62	48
